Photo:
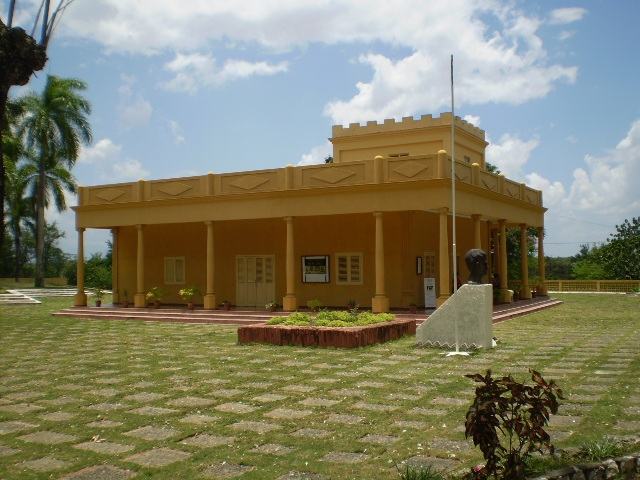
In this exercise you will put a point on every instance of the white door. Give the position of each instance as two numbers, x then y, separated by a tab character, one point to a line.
255	280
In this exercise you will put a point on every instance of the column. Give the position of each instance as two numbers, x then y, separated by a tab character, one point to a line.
490	255
210	294
525	291
290	302
444	289
505	296
380	302
139	297
80	298
115	286
477	240
541	288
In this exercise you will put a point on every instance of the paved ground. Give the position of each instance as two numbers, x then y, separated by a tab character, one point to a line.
113	399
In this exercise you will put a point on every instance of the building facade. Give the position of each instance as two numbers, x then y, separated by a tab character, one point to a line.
367	228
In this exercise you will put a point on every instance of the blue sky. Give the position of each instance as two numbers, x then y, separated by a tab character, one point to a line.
182	88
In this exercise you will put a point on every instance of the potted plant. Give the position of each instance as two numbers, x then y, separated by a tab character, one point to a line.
154	296
125	299
271	307
187	295
226	305
413	308
98	293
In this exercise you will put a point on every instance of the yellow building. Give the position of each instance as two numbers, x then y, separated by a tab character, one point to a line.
368	227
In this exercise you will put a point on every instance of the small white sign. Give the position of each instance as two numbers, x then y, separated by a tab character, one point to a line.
430	293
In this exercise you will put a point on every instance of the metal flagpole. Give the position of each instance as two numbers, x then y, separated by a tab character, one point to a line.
453	218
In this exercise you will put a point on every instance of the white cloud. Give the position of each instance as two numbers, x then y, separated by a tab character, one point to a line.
195	70
499	55
562	16
511	154
106	157
317	154
472	119
176	131
603	192
135	114
566	35
133	109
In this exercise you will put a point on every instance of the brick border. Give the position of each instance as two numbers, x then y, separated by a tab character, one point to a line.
347	337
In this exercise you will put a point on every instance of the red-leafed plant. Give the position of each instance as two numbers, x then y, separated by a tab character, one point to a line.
507	421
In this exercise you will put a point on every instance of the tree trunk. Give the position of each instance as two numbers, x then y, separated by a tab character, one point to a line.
4	91
40	198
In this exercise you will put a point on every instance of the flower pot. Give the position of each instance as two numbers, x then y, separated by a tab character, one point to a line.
190	305
98	303
226	306
156	304
413	309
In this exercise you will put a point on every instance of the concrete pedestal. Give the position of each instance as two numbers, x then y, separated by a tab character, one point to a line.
210	301
471	306
380	304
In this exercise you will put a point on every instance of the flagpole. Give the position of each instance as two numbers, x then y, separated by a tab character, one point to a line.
453	218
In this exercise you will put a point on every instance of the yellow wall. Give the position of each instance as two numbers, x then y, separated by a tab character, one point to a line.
407	235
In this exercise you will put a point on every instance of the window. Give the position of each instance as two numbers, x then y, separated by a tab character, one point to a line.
396	155
174	270
429	265
467	159
349	268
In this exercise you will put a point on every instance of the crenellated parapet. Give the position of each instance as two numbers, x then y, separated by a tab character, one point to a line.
407	123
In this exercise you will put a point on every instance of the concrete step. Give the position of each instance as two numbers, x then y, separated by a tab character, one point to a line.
506	314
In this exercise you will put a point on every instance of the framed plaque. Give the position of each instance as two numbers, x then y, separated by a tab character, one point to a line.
315	269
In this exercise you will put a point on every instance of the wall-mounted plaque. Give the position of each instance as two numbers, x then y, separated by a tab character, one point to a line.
315	269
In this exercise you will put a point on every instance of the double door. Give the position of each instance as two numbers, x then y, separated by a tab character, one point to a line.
255	280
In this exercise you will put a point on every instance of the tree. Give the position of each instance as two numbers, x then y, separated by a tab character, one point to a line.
20	57
620	256
54	126
19	207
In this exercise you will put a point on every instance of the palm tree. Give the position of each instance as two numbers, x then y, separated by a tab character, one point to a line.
19	207
54	126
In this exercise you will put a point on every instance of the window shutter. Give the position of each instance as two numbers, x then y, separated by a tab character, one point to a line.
343	269
355	276
169	271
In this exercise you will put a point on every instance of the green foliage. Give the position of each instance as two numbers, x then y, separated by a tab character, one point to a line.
506	421
419	472
588	270
620	256
97	272
559	268
314	305
155	294
600	449
296	318
329	318
188	293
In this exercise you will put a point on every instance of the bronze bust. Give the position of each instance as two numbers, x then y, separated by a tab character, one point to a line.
476	261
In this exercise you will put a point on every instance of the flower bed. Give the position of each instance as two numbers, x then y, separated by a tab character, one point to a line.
339	336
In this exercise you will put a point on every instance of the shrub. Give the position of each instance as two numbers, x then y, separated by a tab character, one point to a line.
314	305
601	449
420	472
296	318
506	421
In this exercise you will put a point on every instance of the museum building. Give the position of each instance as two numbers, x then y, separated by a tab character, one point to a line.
368	228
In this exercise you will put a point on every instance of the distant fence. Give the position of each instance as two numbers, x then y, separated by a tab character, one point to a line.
611	286
617	286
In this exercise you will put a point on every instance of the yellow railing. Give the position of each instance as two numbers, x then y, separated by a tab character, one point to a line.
615	286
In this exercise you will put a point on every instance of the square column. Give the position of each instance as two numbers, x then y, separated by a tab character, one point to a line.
290	302
210	294
80	298
115	286
505	296
380	302
139	299
541	288
525	291
444	288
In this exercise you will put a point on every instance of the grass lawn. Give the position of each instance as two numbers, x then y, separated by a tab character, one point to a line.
185	398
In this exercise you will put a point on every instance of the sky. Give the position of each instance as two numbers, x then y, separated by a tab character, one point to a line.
197	86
